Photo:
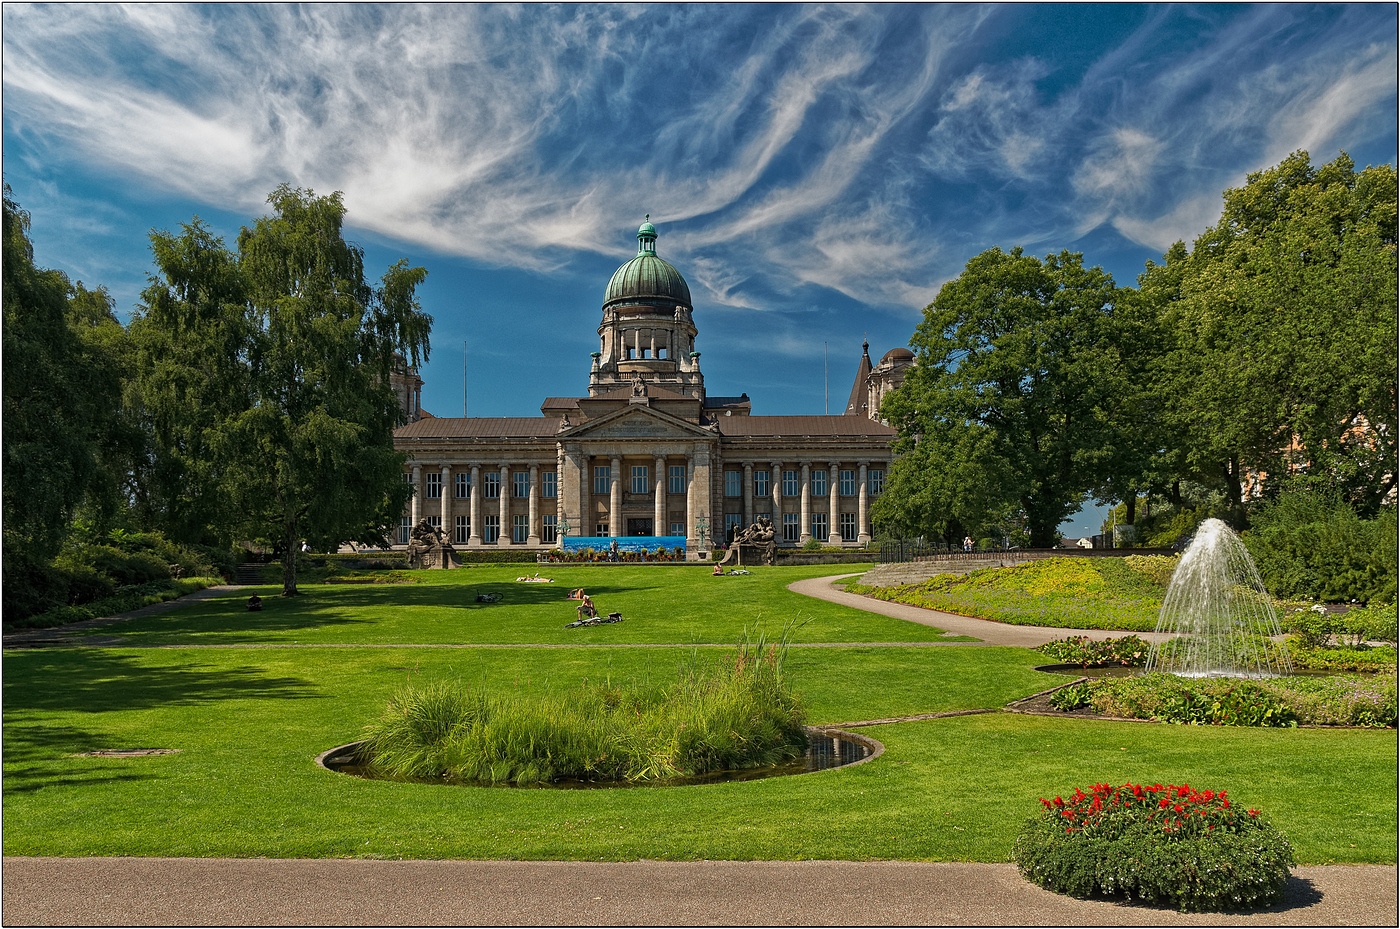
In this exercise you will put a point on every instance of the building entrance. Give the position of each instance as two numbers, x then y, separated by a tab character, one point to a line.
639	527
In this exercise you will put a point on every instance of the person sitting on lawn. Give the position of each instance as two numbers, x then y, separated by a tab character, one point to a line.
586	609
718	571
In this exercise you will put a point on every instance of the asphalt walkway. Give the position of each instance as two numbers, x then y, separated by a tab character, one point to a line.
270	892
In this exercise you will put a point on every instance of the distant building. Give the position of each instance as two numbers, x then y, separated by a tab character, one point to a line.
648	454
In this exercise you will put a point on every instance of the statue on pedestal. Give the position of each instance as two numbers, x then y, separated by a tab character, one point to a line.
428	548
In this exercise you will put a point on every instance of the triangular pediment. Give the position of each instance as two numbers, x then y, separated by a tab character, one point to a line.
637	422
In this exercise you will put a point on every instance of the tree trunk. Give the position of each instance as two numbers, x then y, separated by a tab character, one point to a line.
291	545
1131	504
1233	492
1176	493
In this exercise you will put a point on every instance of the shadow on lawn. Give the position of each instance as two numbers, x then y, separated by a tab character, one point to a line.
39	754
99	680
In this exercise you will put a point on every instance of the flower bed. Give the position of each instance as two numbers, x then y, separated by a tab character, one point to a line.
1172	845
1126	652
1350	700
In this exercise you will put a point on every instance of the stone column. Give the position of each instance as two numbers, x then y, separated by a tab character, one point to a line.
862	521
504	538
585	494
775	489
474	539
447	502
416	508
833	488
533	537
806	528
691	540
658	524
702	482
748	494
615	504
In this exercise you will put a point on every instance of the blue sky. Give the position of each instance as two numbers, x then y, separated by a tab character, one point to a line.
815	172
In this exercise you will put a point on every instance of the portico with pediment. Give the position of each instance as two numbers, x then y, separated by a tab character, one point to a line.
647	452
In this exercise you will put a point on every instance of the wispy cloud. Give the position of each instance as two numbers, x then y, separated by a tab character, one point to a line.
867	151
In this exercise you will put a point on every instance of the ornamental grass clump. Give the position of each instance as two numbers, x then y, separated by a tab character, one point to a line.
733	715
1174	845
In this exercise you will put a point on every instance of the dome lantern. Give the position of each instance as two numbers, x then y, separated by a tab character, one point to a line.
646	238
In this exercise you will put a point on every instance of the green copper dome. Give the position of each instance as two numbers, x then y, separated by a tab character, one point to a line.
647	278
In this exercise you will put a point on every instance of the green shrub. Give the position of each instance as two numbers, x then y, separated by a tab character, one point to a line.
1169	845
1284	701
725	717
124	568
1345	658
1156	568
1312	545
123	601
1129	651
1074	697
1373	623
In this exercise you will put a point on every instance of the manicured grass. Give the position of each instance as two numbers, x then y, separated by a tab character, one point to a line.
249	721
1075	593
660	604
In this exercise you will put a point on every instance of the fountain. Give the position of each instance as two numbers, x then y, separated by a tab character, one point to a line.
1218	613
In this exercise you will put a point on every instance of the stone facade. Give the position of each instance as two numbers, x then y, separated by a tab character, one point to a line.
647	452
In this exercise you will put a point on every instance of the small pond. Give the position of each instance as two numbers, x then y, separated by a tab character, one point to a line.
1074	670
826	748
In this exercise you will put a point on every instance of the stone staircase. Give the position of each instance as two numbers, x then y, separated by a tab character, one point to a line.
249	574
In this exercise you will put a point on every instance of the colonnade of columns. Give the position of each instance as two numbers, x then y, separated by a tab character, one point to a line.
448	505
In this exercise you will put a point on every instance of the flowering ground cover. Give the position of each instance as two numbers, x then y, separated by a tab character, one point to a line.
1076	593
249	715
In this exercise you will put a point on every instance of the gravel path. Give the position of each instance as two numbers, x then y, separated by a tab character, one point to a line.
989	632
270	892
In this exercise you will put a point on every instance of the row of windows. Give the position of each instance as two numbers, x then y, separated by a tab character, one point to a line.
491	484
641	482
792	527
846	483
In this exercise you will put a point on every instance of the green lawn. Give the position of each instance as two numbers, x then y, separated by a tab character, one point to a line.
250	717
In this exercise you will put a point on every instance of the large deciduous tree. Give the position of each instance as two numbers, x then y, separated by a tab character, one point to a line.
1011	408
1282	328
267	381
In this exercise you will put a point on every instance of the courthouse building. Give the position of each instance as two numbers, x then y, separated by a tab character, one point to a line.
647	456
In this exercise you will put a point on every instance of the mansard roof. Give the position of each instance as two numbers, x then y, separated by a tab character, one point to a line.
480	427
804	426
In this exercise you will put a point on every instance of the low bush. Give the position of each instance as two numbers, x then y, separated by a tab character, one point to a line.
1174	845
1074	697
725	717
1282	701
1126	652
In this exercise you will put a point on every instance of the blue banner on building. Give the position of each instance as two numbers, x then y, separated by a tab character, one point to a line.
628	543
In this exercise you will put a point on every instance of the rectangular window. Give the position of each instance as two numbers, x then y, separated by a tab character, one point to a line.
848	483
876	477
848	527
602	479
639	479
819	483
519	529
677	528
734	483
819	527
790	488
521	479
760	483
733	523
791	527
491	530
435	522
405	526
549	484
434	490
464	530
549	528
464	486
677	485
492	479
600	531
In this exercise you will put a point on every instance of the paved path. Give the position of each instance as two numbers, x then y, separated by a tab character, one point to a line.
75	633
266	892
989	632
